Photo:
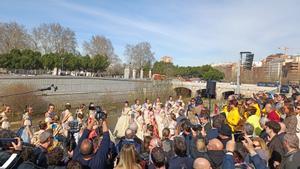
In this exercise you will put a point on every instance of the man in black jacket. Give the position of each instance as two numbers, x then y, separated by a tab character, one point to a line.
85	152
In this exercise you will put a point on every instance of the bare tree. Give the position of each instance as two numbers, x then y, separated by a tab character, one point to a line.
139	55
99	45
116	67
13	36
54	38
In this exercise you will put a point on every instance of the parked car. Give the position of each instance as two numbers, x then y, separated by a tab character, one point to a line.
284	89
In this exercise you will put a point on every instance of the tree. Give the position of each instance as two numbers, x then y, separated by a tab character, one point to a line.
213	74
86	63
163	68
13	36
51	60
54	38
21	59
139	55
99	63
99	45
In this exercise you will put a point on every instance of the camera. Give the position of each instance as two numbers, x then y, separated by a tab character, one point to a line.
196	127
74	126
5	143
100	114
239	136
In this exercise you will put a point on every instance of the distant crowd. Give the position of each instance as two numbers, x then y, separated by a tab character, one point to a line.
259	132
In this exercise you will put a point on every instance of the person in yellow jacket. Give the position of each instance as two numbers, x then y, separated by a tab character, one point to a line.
254	120
233	115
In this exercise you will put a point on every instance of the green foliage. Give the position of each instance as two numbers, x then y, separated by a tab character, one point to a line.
21	59
29	60
99	63
164	68
205	72
213	74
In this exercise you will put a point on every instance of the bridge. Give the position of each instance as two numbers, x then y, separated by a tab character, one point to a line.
222	89
77	89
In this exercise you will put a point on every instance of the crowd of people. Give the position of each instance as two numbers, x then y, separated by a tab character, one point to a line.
258	132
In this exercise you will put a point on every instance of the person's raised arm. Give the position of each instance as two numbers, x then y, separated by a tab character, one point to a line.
84	135
102	152
257	161
228	162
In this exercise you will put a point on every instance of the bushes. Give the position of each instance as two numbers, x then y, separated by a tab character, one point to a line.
20	95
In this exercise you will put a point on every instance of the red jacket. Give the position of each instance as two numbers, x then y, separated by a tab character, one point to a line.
274	116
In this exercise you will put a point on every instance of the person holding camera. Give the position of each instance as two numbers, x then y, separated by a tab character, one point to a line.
229	161
40	152
85	152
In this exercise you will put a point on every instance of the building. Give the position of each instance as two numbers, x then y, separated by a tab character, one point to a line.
275	67
166	59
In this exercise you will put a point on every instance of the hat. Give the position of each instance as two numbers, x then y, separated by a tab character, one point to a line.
225	130
43	137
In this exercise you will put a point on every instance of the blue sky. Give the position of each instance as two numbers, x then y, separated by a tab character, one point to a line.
193	32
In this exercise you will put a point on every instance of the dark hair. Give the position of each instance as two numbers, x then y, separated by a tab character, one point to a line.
74	165
55	156
50	104
158	157
79	115
179	146
146	143
218	120
185	126
42	125
204	115
165	133
68	106
273	125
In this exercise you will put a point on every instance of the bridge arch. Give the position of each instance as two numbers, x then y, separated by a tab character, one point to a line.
183	91
226	94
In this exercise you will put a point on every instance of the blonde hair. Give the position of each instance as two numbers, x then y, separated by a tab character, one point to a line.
262	144
128	157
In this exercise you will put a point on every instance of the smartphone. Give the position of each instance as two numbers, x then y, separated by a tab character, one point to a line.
7	142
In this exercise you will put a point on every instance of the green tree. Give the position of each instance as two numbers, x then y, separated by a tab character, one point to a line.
163	68
51	60
99	63
86	63
213	74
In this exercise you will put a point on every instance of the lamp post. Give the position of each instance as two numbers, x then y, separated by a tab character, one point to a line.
238	79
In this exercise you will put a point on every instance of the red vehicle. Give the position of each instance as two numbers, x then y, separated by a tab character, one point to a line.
158	77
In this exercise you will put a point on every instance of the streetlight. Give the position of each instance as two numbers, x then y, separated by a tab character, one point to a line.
238	92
